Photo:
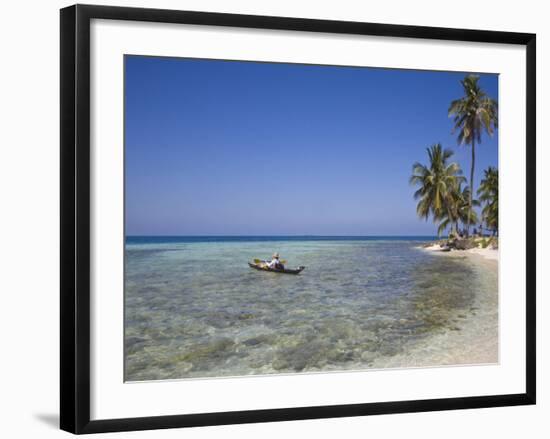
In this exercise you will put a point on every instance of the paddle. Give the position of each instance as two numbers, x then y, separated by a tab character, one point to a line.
258	261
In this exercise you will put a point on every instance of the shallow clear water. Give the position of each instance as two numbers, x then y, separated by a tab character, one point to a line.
193	308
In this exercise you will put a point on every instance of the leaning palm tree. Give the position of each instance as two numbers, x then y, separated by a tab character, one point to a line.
473	113
447	220
466	215
438	182
488	194
458	210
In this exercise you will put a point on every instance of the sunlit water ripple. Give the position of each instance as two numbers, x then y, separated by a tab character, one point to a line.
195	309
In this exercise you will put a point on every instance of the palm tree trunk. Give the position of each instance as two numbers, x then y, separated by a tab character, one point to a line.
471	187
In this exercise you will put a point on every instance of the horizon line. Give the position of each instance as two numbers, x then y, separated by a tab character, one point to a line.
268	235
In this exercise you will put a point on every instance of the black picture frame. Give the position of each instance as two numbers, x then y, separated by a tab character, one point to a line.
75	218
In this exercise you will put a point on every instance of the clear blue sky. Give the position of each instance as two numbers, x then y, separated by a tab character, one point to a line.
219	147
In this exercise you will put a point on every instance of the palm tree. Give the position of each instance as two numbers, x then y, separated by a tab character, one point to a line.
458	209
445	221
488	194
466	215
473	113
438	182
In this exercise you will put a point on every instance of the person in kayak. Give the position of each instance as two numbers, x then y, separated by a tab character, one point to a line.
275	263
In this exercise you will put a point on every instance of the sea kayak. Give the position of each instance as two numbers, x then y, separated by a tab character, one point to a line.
262	267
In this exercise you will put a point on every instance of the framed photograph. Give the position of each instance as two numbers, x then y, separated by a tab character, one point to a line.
268	218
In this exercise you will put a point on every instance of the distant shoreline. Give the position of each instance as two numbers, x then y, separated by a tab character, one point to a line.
487	253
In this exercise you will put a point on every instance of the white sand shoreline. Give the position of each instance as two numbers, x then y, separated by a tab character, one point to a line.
474	340
487	253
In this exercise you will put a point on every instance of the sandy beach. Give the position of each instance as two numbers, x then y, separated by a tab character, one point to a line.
487	253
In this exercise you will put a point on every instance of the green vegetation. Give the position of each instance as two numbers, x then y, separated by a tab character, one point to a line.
439	190
442	192
473	113
488	194
458	204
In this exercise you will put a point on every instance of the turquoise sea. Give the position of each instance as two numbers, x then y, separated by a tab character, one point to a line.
193	307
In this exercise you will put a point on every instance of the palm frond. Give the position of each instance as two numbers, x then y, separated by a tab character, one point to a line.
437	182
